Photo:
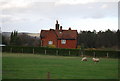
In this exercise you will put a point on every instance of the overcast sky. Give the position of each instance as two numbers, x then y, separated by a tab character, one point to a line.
35	15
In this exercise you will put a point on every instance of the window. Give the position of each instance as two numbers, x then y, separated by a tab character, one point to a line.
63	41
60	32
50	42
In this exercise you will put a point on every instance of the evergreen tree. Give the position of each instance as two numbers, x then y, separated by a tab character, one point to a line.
11	38
14	39
101	39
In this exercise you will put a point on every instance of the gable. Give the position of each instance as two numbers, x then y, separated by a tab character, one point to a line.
47	33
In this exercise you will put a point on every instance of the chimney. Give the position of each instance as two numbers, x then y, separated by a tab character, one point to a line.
60	28
56	25
69	28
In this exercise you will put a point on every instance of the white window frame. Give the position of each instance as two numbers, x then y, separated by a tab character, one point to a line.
60	32
63	41
50	42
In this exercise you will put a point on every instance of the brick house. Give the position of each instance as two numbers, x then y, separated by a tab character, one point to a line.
59	37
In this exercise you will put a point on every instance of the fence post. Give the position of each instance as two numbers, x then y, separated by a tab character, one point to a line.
48	75
11	50
94	54
79	52
69	53
22	50
45	51
82	53
33	50
56	52
107	55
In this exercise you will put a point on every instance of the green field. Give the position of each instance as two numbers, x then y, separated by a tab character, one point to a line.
29	66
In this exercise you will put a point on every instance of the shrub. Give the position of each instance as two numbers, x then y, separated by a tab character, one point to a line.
51	46
61	51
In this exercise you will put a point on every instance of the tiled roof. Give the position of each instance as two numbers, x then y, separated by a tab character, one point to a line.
61	34
43	33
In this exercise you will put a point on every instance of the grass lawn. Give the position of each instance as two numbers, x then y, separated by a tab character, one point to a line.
29	66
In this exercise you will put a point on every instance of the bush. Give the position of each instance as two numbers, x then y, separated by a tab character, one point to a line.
60	51
51	46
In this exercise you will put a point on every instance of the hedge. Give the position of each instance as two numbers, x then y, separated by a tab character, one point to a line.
61	52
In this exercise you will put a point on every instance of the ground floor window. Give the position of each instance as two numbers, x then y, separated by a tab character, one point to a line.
50	42
63	41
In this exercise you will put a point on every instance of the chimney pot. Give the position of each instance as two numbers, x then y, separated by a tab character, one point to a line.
61	28
57	25
69	28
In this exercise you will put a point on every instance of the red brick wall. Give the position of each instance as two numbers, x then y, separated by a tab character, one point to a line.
69	44
49	37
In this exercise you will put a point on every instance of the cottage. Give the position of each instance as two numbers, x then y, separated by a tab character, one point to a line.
59	37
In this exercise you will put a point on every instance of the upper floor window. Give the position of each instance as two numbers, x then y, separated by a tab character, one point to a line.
63	41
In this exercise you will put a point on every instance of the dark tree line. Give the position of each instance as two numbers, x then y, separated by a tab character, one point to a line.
20	39
86	39
101	39
14	39
28	40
